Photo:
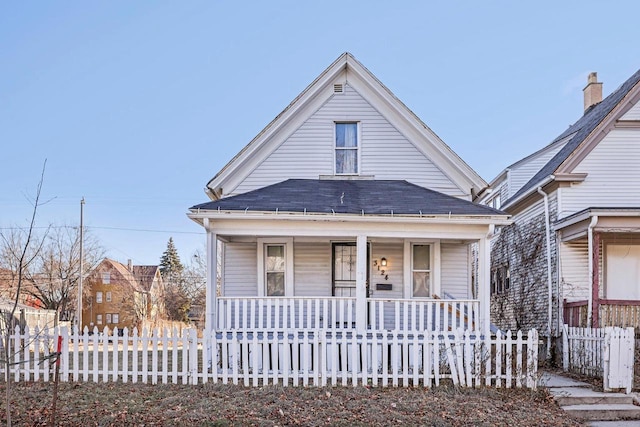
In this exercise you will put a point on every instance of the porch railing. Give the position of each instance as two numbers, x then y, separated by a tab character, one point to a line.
621	313
280	313
284	313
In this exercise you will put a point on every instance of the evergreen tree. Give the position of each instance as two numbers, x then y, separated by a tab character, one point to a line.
176	300
170	265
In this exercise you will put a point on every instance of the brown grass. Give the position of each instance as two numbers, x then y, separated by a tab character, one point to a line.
87	404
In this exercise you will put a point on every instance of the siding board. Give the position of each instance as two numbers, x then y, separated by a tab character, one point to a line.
385	152
455	270
613	174
240	265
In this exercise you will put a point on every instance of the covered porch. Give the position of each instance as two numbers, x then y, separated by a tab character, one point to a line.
419	266
600	249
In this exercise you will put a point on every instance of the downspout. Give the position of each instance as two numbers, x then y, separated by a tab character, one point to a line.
592	224
545	196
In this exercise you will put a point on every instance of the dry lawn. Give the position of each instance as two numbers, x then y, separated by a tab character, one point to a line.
82	404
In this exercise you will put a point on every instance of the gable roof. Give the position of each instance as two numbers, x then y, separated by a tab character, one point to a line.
581	130
317	93
359	197
124	272
145	275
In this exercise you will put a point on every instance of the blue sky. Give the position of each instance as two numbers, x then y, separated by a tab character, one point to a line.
136	105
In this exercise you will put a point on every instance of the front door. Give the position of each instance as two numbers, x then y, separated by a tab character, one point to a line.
344	256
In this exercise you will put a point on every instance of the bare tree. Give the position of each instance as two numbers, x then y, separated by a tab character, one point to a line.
54	274
19	250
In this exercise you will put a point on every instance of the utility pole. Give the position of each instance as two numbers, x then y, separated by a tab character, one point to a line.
79	313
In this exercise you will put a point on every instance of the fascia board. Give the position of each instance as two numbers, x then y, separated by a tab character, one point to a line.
404	219
600	131
294	109
414	128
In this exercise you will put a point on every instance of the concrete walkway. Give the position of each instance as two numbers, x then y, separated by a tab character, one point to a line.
598	408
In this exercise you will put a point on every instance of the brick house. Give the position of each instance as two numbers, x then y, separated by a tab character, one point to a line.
114	297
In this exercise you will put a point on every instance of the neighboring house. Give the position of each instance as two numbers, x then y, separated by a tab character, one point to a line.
572	254
113	297
150	279
347	211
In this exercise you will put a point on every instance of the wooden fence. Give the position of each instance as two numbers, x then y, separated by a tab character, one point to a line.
288	358
606	353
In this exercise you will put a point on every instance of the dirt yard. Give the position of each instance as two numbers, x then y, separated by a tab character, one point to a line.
92	404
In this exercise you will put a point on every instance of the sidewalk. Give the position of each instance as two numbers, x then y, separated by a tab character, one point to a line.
597	408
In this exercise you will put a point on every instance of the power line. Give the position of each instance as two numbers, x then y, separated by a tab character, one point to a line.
143	230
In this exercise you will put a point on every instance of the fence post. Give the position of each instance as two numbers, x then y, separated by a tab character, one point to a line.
606	359
193	356
565	347
64	332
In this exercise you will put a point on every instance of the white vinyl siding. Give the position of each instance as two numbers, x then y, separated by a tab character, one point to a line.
574	270
455	277
385	153
633	113
521	172
240	265
312	261
613	174
393	253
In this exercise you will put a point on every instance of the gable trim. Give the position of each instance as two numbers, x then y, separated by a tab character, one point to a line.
316	95
600	131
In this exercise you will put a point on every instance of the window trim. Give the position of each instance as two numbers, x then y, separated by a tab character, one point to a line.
99	297
434	254
288	267
357	148
106	277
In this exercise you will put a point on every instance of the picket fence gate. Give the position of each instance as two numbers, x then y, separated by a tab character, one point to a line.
606	353
288	358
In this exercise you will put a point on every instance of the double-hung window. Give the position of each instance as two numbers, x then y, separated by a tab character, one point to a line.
421	271
275	270
346	149
99	297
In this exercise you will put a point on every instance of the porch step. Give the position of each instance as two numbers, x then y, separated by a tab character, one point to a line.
604	412
566	396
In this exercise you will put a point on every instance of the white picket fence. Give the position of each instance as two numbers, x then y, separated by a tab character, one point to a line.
606	353
296	357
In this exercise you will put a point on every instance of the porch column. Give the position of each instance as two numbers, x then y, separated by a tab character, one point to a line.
361	284
595	284
484	283
212	273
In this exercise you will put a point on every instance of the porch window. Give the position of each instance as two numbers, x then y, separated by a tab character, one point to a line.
421	271
275	270
346	148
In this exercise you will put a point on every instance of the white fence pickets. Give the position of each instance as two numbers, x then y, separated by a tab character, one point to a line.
606	353
289	358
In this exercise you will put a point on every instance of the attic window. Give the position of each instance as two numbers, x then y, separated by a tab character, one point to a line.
338	88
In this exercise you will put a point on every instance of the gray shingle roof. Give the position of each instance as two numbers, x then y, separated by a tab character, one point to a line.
373	197
582	128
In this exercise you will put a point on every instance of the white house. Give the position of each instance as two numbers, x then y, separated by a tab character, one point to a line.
572	254
347	211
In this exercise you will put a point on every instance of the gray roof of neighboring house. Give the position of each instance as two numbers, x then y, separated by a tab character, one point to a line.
371	197
582	128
